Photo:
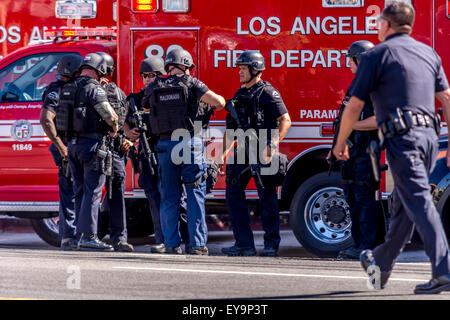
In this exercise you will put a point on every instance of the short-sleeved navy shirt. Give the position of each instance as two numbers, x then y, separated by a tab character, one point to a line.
400	73
198	88
92	93
51	96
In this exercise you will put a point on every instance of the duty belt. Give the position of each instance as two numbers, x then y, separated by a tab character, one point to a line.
410	120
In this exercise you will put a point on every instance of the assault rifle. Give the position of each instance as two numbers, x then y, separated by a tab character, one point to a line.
254	167
65	169
105	160
148	154
59	161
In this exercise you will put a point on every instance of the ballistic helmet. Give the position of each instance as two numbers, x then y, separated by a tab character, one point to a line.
152	64
109	62
69	64
253	59
180	57
96	62
357	48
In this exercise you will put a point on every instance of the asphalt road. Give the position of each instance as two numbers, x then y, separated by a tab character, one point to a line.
31	269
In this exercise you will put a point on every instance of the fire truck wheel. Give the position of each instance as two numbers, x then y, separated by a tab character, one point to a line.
139	219
47	230
320	216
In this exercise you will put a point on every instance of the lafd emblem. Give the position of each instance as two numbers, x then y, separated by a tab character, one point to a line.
21	130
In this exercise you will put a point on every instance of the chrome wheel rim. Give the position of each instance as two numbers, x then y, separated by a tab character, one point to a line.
52	224
327	216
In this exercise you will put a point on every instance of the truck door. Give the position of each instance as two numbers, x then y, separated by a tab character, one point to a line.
158	42
23	143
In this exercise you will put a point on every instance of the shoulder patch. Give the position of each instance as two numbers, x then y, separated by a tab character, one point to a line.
53	95
275	94
100	92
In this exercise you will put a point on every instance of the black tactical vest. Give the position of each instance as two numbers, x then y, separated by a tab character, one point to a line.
359	139
85	118
61	119
249	111
172	104
64	113
118	101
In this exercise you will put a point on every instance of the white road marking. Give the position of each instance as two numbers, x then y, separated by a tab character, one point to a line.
263	273
405	264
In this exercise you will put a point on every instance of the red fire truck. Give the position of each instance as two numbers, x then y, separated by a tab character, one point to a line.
304	43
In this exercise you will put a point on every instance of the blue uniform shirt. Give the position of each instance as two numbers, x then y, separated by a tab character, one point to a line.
400	73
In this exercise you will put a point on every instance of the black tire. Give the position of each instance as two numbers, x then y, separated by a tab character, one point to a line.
47	230
138	218
320	217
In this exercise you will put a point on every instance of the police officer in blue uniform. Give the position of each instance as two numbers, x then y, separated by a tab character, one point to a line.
174	104
358	181
115	184
88	109
259	106
402	77
67	70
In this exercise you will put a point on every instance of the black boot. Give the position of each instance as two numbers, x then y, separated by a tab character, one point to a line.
239	251
92	243
435	285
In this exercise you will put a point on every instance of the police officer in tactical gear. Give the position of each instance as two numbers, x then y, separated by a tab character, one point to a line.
149	70
402	77
67	69
91	118
114	207
258	106
357	176
174	103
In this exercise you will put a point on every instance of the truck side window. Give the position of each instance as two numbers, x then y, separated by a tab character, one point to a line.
25	80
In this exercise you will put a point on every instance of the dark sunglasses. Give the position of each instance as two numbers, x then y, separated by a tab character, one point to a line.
148	75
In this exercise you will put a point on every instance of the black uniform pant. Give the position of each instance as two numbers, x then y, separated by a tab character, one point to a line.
238	210
152	189
88	183
116	205
67	219
359	189
411	157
